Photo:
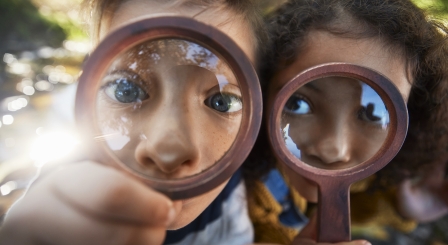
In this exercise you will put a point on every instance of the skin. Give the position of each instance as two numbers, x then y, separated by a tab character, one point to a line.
173	93
187	210
425	199
328	124
323	47
119	209
100	212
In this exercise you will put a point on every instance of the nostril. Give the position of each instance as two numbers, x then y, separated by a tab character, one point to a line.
169	155
146	161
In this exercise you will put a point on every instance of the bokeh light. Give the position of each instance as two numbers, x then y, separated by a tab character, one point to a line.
5	189
53	146
28	90
7	119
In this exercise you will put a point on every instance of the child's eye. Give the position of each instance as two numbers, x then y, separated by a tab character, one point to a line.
297	105
125	91
224	102
366	113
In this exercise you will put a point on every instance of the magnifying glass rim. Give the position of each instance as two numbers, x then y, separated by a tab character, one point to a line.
184	28
391	97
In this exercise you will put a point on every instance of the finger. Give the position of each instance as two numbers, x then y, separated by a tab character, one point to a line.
106	193
149	236
355	242
308	235
37	224
303	241
306	241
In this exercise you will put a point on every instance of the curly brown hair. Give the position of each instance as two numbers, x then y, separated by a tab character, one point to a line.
423	43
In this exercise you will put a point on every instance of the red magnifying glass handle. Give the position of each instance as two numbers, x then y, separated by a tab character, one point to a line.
333	218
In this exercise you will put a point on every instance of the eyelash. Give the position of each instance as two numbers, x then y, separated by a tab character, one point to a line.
230	103
297	97
232	99
123	78
379	123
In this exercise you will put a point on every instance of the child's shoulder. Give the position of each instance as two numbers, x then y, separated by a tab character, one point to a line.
224	221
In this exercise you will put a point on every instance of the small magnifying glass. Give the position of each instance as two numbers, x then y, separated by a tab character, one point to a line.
173	102
336	124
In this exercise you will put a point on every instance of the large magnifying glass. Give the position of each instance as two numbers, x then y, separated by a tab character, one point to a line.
173	102
336	124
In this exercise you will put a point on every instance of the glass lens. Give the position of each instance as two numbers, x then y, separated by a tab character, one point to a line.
334	123
169	108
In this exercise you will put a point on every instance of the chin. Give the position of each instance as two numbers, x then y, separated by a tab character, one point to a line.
186	213
189	209
306	188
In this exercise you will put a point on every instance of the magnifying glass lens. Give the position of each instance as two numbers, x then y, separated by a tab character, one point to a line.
168	108
334	122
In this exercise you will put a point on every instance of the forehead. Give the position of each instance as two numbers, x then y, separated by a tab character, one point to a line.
324	47
171	52
220	17
159	56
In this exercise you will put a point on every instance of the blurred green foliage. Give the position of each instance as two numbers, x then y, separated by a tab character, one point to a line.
437	8
22	27
71	28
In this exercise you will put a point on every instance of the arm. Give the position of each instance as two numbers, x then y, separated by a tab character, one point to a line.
87	203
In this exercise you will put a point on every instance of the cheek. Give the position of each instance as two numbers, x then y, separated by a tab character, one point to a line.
367	143
215	134
303	131
114	123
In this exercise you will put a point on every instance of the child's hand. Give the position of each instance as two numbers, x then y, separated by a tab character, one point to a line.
87	203
308	235
426	200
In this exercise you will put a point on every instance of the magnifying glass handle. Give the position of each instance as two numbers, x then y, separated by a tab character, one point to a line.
333	218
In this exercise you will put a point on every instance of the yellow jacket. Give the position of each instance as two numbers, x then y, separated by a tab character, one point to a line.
370	213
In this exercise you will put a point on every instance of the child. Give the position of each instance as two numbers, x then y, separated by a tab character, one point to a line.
88	203
392	37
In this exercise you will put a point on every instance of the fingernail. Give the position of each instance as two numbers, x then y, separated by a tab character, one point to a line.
171	216
366	243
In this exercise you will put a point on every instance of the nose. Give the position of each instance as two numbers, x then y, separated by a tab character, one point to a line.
168	144
332	145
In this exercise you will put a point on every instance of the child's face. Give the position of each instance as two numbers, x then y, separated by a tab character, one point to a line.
185	128
334	123
346	147
163	102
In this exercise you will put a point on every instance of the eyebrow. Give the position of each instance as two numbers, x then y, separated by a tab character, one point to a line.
313	87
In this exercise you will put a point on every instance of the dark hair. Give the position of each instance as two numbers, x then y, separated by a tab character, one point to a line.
97	14
403	27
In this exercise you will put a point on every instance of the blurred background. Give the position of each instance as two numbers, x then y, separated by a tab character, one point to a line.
42	47
43	44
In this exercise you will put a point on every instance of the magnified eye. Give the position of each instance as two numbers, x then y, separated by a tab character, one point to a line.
367	114
223	102
125	91
297	105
